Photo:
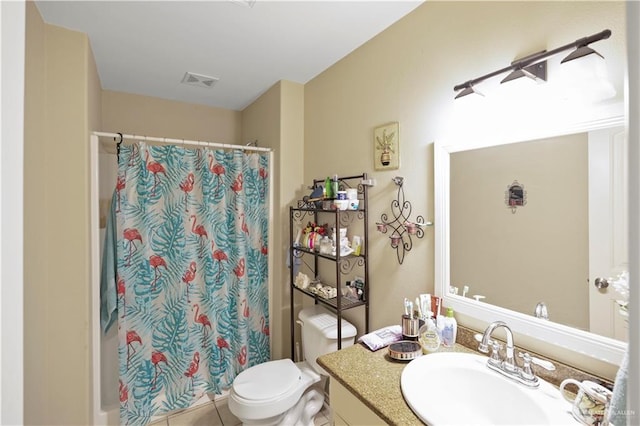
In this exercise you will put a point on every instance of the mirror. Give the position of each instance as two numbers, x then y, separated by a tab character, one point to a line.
514	231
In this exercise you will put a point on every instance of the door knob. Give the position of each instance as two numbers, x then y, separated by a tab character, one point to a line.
601	283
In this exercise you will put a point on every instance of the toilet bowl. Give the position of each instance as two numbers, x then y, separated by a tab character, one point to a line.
284	392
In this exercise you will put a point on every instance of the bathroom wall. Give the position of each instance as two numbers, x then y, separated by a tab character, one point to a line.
407	74
143	115
61	105
276	120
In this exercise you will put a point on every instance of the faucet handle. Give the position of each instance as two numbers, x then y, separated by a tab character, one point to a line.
547	365
495	351
482	347
526	372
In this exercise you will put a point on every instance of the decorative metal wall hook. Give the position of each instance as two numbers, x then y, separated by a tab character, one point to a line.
403	229
118	145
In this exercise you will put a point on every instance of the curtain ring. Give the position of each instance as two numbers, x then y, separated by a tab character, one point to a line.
118	145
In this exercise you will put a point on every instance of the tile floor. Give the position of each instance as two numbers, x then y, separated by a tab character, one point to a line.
217	414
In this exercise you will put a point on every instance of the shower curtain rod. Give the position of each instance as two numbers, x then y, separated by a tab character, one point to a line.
116	137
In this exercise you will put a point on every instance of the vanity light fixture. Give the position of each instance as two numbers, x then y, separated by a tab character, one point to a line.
535	66
467	90
536	72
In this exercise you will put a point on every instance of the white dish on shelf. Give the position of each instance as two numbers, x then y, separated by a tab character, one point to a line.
341	204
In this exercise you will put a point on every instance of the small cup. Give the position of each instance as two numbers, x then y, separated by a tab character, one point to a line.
590	403
410	327
341	195
411	227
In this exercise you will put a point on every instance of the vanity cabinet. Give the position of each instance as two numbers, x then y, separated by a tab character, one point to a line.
338	268
348	410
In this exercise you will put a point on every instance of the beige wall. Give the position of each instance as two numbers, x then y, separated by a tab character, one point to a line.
61	103
142	115
36	380
276	121
407	74
540	253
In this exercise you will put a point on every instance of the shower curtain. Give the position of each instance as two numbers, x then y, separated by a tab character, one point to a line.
191	278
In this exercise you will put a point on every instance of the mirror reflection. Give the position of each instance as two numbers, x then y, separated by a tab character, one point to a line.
534	225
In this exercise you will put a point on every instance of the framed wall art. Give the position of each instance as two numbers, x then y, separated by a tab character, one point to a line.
386	147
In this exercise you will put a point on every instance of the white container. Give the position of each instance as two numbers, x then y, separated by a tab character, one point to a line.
440	325
341	204
450	330
343	233
352	193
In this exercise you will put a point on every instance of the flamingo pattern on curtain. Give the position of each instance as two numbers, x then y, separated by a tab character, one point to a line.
192	273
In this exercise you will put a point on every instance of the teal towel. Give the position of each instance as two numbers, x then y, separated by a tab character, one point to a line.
108	278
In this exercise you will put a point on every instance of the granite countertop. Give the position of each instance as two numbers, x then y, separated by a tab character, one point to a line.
374	378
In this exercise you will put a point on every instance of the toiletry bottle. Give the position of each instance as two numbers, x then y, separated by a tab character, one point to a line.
335	186
328	189
428	335
440	326
325	245
450	329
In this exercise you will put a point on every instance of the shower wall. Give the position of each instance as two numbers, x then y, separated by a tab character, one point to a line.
108	170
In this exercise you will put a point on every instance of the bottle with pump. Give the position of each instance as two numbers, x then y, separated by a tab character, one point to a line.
428	335
450	329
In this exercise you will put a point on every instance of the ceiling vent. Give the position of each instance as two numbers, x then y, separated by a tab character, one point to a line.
199	80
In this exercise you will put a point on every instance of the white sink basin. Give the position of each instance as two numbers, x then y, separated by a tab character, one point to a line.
449	388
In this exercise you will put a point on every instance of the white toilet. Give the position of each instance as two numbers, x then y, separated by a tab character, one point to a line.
281	392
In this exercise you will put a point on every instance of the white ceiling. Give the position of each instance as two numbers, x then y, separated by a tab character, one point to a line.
145	47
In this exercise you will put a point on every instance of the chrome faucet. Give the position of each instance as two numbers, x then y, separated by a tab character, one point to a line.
507	366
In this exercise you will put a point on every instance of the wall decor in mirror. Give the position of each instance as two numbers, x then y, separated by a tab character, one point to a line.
515	196
572	232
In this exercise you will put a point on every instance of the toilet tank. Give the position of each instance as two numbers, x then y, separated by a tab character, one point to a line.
320	334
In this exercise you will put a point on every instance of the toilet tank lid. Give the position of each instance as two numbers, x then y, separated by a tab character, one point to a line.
326	322
268	380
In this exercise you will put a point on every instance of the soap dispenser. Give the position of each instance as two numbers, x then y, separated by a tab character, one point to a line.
428	335
450	329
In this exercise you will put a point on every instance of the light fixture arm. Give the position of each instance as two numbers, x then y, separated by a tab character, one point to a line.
537	57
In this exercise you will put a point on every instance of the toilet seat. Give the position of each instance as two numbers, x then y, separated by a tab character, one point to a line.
269	389
267	381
